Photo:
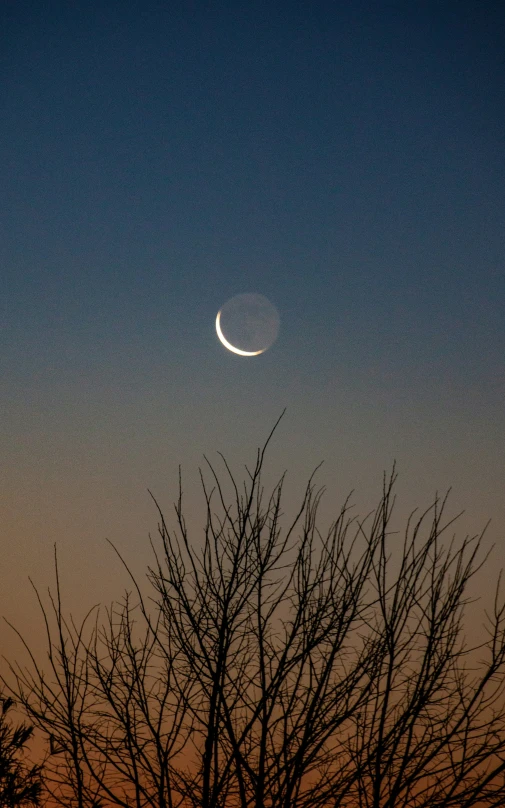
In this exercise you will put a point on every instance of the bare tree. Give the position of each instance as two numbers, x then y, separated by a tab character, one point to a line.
278	665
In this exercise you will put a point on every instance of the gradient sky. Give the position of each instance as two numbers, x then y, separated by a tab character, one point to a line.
346	160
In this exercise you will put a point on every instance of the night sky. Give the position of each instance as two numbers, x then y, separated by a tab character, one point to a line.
346	160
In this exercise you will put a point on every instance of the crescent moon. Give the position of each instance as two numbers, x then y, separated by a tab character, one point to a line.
229	345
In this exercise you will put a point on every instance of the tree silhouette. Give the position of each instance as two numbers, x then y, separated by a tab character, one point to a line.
20	783
277	664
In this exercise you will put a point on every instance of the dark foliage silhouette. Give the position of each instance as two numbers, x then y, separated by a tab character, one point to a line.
276	664
20	783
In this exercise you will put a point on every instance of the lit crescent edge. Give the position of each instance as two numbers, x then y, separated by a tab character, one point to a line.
229	345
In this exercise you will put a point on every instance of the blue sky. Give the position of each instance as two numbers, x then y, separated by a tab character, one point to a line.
344	159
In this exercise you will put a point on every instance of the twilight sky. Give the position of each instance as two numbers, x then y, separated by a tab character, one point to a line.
346	160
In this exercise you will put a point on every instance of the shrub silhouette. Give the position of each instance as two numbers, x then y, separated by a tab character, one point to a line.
20	783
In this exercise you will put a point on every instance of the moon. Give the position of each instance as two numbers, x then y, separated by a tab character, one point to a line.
247	324
228	344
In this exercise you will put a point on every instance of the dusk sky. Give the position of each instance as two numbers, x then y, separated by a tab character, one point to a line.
345	160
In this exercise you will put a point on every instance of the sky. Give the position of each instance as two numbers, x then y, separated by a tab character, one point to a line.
345	160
